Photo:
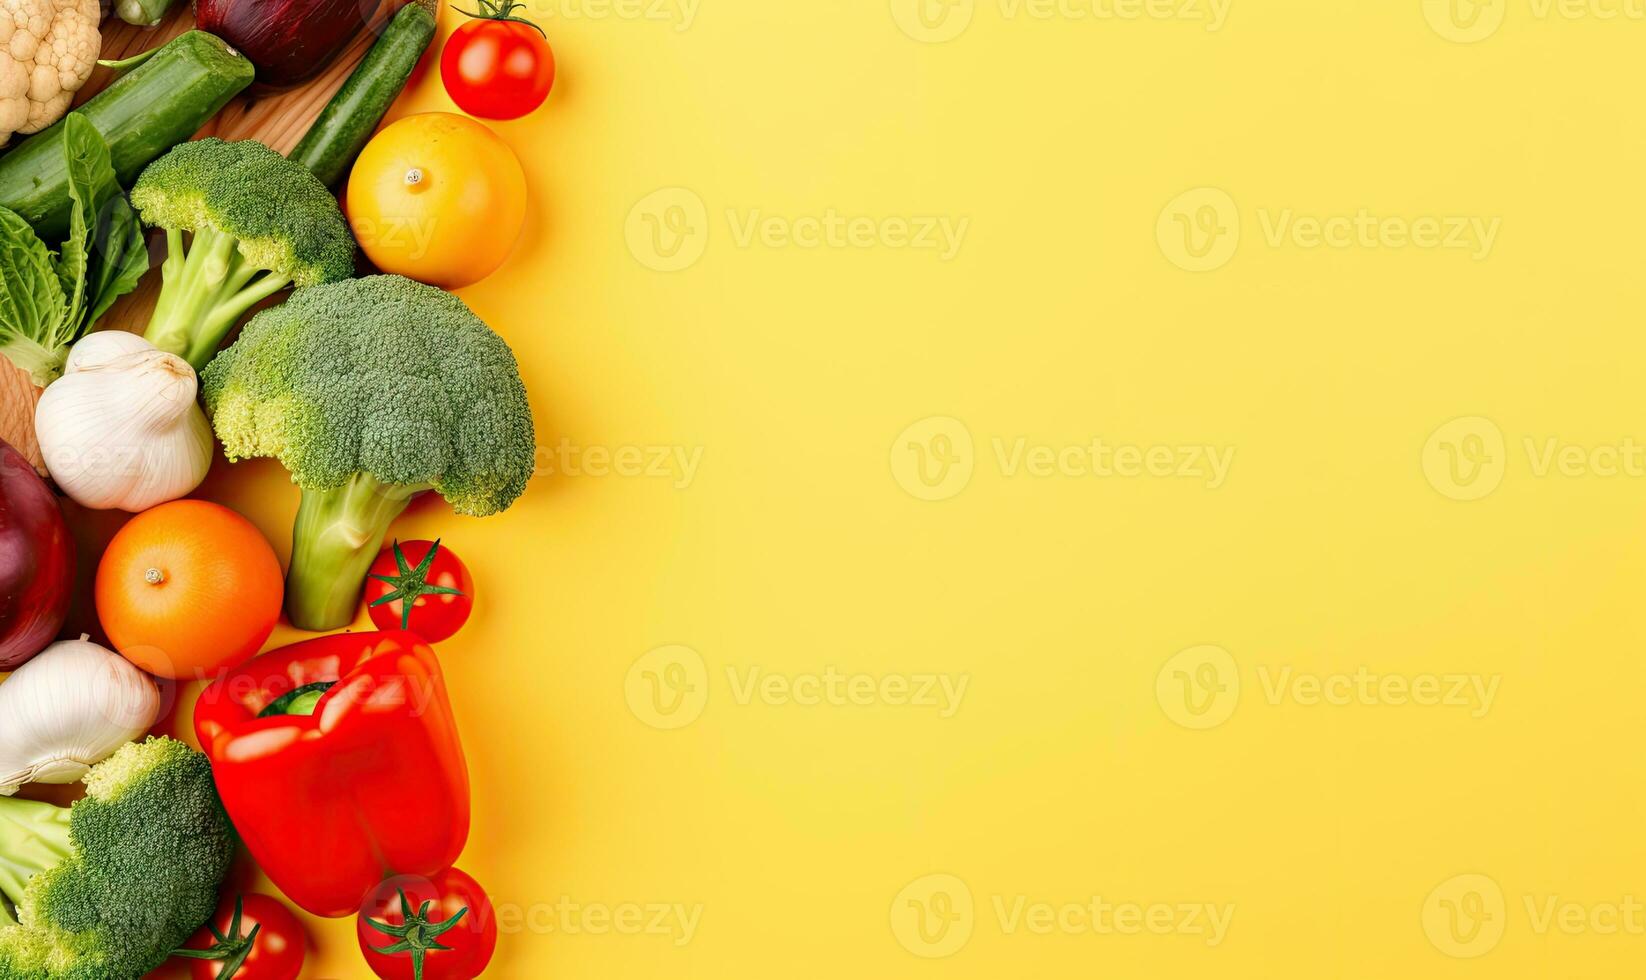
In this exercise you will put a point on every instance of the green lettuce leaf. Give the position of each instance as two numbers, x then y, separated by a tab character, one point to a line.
71	258
32	304
48	300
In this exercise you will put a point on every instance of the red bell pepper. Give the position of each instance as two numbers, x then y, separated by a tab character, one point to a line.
338	761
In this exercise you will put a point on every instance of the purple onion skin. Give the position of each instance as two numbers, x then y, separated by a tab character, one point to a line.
290	41
36	562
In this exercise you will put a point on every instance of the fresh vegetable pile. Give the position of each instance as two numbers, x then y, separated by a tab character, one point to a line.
337	760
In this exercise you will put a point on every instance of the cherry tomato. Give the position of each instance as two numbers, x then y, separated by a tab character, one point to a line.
497	66
415	928
436	583
252	938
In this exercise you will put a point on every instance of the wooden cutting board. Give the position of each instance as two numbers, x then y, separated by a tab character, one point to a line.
278	119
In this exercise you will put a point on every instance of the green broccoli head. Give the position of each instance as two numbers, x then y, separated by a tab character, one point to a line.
107	888
380	376
369	391
259	223
281	217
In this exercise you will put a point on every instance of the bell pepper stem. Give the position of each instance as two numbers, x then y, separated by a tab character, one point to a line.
337	534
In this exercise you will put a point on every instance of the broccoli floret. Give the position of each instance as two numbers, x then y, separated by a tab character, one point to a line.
259	223
370	391
107	888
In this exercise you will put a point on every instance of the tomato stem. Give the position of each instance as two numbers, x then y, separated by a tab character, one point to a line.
417	935
411	584
504	11
232	948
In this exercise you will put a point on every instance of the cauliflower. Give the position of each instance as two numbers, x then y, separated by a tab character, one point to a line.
47	51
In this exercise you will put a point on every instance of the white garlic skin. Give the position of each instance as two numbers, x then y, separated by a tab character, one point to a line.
68	709
121	429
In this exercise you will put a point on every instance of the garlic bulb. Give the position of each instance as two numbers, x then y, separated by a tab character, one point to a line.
121	428
68	709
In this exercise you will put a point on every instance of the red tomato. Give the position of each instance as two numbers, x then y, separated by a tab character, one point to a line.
436	583
415	928
252	938
497	66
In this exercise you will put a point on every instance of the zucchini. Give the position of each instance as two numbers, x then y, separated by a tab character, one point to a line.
347	122
144	113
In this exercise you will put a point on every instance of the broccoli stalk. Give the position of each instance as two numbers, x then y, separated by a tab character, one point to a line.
108	887
34	836
337	535
206	288
370	391
258	223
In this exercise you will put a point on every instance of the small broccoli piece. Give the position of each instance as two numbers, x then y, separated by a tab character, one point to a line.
370	391
107	888
259	223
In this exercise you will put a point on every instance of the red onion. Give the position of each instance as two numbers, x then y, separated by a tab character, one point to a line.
36	562
289	41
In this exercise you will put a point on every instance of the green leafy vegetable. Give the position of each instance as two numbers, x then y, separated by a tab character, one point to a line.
32	306
47	301
71	258
117	256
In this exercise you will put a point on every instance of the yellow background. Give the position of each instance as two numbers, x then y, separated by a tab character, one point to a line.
1062	318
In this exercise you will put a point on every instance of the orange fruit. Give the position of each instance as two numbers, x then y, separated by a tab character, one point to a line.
437	197
187	589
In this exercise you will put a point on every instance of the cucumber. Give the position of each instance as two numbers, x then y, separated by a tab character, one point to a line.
347	122
144	113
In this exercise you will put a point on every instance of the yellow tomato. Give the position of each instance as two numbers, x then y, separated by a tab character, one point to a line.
438	198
